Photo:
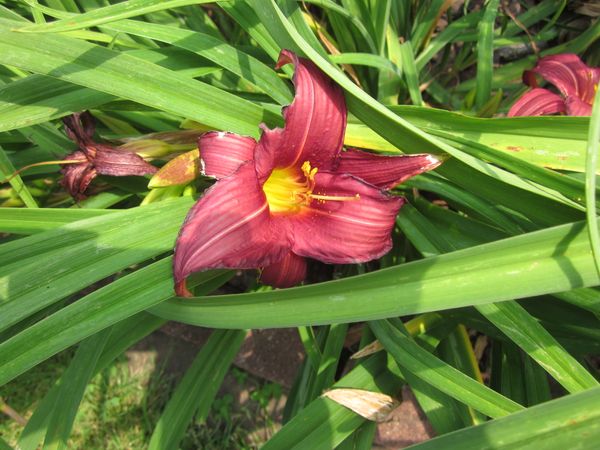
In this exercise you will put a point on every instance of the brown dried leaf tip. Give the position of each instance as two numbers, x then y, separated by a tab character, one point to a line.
92	158
373	406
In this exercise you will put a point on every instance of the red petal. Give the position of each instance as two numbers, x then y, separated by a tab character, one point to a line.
567	72
286	273
109	161
529	79
77	177
537	102
80	127
383	171
344	232
221	154
577	107
229	227
314	123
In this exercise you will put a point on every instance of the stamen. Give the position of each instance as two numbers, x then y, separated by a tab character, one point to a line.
287	191
335	198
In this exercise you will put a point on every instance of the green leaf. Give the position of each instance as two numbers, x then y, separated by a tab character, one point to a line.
552	260
367	59
4	445
119	300
109	71
98	247
123	335
457	350
108	14
215	50
485	53
517	323
528	334
436	372
197	389
329	360
590	179
410	73
71	388
570	421
6	170
448	35
31	221
554	142
323	424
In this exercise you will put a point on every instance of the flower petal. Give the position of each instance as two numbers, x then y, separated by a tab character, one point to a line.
221	153
565	71
109	161
314	123
348	231
577	107
77	177
537	102
80	127
229	227
383	171
285	273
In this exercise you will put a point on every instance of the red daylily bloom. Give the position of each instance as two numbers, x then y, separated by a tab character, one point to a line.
293	194
94	158
576	82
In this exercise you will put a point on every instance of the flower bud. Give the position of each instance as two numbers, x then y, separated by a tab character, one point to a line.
180	170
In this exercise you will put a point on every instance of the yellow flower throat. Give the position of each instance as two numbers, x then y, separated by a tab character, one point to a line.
288	191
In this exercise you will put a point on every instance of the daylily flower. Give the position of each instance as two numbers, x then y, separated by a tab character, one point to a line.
293	194
92	159
576	82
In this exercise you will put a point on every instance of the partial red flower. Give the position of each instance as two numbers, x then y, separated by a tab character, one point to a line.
576	82
94	158
293	194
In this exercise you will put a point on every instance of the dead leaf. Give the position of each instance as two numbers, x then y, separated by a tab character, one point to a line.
373	406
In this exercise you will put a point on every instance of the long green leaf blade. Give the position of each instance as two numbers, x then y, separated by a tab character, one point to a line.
410	356
109	71
197	389
532	337
108	14
552	260
71	389
569	422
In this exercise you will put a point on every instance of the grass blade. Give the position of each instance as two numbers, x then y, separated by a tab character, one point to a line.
197	389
